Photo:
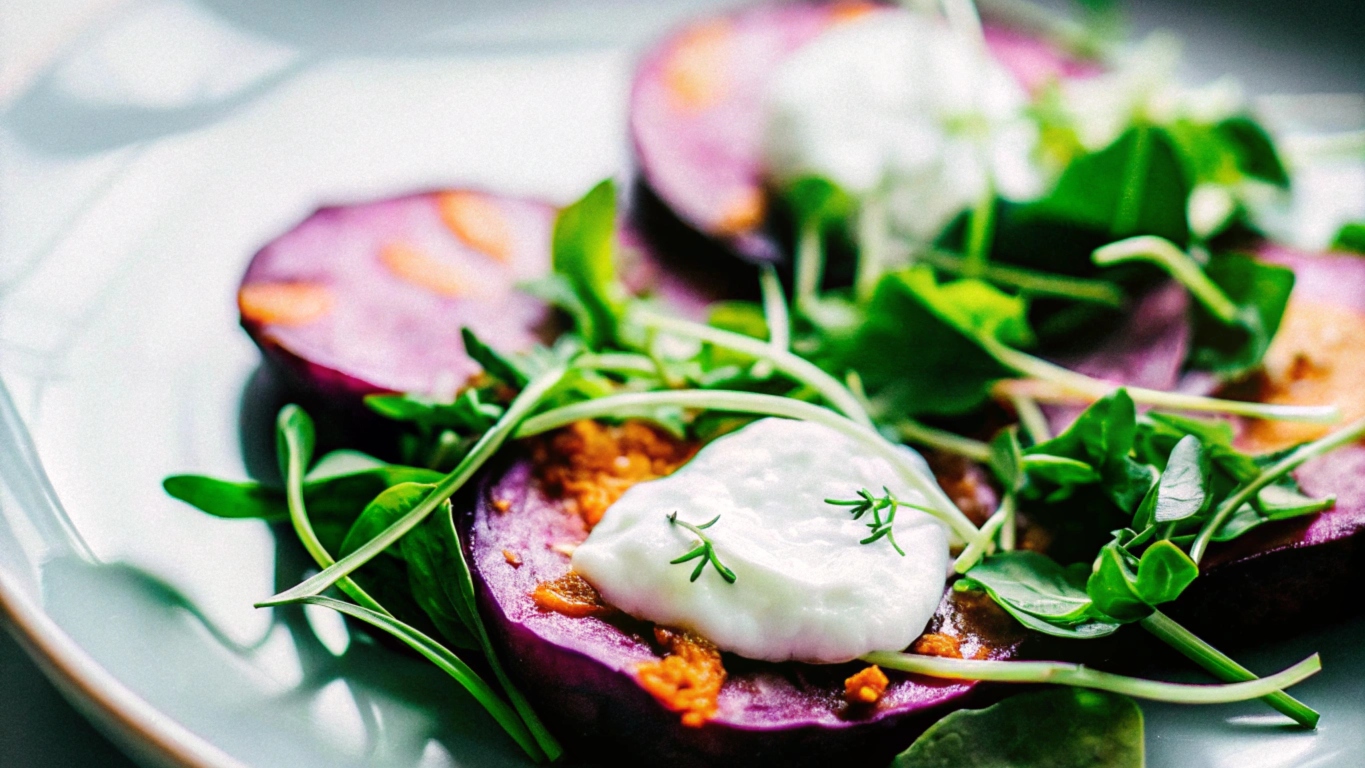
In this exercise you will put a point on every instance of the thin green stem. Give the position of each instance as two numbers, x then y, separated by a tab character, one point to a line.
775	309
1219	665
483	450
796	367
913	432
618	362
979	230
1246	492
1054	384
1030	281
1031	418
1009	530
298	513
1060	673
873	235
770	405
810	267
979	549
1178	264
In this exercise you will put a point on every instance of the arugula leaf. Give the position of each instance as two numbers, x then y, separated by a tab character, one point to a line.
1261	291
916	348
1351	237
1057	728
1182	491
583	255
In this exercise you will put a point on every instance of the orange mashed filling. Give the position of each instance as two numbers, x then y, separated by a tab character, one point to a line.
935	644
688	680
1315	359
866	687
570	595
590	464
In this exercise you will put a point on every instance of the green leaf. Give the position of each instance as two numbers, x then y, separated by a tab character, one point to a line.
1351	237
382	512
1100	436
468	413
1035	584
1274	502
506	369
1066	473
1182	491
1113	585
818	202
1253	150
917	350
583	254
294	433
1057	728
227	499
1135	186
1261	291
1164	571
1007	459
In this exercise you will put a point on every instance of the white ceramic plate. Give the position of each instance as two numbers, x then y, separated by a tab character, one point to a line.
149	148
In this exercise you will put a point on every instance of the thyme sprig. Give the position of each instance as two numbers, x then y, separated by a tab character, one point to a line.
704	549
882	527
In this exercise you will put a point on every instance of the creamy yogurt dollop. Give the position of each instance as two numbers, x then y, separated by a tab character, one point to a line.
806	589
902	105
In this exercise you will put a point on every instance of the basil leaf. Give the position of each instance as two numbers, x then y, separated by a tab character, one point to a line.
1262	292
1102	435
1057	728
1182	491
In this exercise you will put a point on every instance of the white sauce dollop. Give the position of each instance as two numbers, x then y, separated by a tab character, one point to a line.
900	104
806	590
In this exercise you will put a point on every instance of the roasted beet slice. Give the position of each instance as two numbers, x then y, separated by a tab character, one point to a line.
697	109
371	297
581	672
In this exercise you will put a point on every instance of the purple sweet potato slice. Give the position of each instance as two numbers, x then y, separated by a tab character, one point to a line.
371	298
368	298
580	672
696	115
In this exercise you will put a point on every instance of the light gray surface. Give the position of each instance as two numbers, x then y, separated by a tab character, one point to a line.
123	228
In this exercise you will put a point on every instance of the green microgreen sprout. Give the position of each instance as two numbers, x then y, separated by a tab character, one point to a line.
704	551
882	527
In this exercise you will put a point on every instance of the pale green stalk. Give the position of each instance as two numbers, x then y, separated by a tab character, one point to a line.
1055	384
873	236
792	365
810	267
912	431
982	547
1178	264
1059	673
1031	418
